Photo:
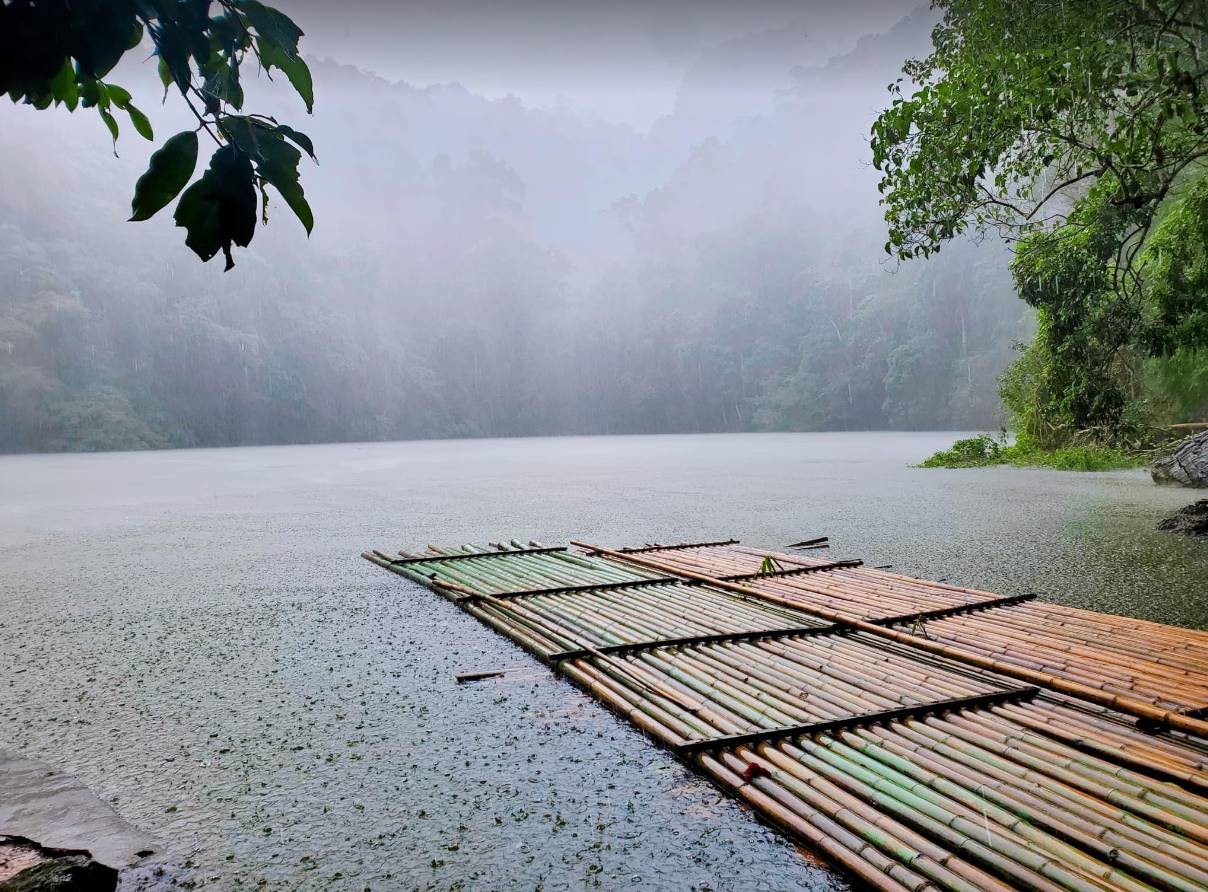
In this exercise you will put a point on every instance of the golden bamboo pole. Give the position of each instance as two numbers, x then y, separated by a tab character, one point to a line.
1140	708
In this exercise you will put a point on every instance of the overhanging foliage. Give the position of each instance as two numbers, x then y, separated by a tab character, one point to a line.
60	52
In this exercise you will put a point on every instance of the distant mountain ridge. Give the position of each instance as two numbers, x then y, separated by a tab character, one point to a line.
479	267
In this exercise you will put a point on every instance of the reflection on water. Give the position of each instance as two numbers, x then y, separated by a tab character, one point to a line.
194	634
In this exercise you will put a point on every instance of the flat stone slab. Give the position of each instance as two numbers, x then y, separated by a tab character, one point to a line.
56	811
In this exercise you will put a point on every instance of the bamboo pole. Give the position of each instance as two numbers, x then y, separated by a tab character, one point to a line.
902	805
1133	706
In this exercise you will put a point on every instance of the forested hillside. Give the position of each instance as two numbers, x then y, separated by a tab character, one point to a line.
481	268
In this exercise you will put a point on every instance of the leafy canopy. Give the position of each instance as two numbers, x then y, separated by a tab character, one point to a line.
1021	101
1080	131
60	52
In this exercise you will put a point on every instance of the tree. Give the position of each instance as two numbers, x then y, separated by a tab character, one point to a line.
60	52
1080	130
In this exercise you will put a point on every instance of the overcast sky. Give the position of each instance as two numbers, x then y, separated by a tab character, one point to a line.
623	59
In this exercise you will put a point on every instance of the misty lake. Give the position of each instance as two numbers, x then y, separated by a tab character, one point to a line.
195	636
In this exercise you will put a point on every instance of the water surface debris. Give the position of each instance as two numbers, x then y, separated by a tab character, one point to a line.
483	674
1019	745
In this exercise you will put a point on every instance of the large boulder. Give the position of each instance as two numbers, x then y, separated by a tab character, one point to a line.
1187	465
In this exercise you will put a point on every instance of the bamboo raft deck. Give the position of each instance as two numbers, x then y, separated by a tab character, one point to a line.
919	735
1148	661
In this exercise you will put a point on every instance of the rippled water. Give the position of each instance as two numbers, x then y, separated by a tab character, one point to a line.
195	636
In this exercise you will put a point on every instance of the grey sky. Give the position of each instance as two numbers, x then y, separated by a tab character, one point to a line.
624	59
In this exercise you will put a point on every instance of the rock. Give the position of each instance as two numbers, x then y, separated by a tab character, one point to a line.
40	803
1187	465
53	870
1192	520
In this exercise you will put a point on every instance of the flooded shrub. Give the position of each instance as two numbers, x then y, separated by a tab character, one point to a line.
972	452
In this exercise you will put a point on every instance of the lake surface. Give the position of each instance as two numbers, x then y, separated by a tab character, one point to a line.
194	635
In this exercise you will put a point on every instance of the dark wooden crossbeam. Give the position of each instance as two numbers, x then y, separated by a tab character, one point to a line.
720	638
680	547
820	542
1007	695
440	558
576	589
792	571
958	610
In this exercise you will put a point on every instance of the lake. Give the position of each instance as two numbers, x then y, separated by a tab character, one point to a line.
195	636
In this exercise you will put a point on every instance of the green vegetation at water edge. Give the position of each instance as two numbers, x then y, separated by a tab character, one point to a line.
984	450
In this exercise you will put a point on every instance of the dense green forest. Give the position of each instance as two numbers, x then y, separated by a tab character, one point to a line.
483	268
1091	156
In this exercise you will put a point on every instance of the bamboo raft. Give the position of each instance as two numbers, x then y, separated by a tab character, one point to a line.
919	735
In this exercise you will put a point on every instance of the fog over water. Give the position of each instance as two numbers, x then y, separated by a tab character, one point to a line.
193	634
531	219
612	271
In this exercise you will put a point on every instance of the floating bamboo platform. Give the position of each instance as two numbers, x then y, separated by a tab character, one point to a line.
919	735
1133	658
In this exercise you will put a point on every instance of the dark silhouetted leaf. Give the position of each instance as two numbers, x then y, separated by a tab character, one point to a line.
173	47
103	36
272	25
90	93
245	133
136	36
220	209
169	170
295	69
279	166
300	139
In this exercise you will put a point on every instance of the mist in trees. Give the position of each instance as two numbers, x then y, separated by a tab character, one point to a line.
486	265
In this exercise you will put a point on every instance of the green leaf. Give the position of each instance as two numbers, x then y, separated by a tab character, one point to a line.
136	35
92	92
64	88
140	122
120	96
295	69
272	25
165	76
279	166
220	209
170	168
111	123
